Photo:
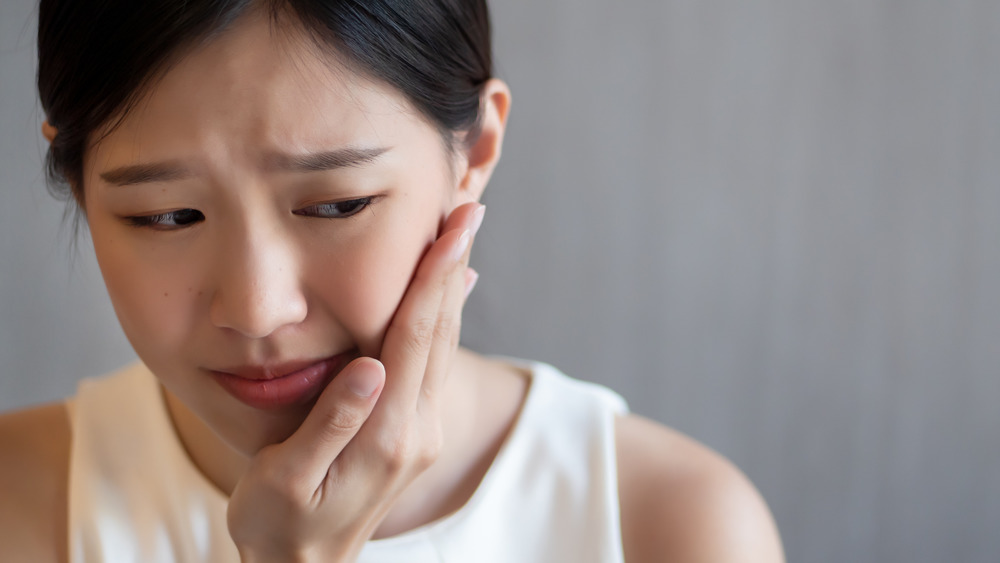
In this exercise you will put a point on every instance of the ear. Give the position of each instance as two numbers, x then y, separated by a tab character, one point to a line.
48	131
477	161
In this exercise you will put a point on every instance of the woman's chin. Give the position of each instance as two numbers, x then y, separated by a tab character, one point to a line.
264	429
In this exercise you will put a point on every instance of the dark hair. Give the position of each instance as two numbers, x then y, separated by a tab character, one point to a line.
96	58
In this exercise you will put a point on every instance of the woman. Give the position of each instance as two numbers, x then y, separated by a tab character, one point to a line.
283	197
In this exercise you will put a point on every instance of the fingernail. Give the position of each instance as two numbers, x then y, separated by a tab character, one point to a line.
471	277
364	379
477	219
461	246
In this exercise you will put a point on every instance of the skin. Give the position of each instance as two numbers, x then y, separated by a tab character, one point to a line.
262	279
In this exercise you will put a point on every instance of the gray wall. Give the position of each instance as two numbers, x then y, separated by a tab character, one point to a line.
772	225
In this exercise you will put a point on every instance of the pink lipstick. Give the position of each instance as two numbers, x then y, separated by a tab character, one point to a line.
281	385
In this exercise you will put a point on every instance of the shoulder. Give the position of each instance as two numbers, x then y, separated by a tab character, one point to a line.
34	466
681	501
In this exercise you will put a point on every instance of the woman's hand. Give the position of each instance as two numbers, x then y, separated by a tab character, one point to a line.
320	494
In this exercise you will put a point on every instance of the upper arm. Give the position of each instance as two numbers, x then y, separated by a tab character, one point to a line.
34	463
682	502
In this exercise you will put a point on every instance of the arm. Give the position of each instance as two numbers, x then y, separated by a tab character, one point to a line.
682	502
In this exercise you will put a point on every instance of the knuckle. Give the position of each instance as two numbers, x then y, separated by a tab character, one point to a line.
421	333
341	420
432	443
431	398
429	451
276	479
443	328
397	452
407	451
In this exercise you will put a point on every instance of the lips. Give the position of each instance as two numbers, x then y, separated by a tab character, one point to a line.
282	385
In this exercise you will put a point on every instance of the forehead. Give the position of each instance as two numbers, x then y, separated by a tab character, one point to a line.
260	85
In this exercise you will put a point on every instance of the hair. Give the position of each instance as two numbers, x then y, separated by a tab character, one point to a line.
96	59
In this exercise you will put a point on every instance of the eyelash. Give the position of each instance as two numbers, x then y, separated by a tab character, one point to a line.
181	218
184	217
323	210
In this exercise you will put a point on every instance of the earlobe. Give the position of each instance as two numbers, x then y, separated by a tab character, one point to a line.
48	131
484	153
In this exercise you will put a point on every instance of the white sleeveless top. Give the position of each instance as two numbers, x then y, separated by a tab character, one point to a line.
551	494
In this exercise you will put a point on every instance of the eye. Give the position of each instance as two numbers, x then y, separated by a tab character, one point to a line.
335	209
167	221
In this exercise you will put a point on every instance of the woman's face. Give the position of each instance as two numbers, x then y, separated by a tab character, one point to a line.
261	210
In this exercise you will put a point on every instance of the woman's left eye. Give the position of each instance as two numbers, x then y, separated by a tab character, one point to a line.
335	209
168	220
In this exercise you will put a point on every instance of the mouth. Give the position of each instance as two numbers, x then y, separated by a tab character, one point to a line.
278	386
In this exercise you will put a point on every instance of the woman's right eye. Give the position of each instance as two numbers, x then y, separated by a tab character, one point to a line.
170	220
336	209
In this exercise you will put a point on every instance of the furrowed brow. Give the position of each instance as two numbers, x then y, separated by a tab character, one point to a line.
145	173
325	160
314	162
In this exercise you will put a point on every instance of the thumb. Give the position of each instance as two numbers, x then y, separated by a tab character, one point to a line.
337	416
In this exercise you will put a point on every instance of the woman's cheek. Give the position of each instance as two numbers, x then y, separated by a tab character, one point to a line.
379	279
154	295
155	306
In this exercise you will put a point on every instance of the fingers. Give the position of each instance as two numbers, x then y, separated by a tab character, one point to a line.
468	216
416	324
339	412
443	348
419	325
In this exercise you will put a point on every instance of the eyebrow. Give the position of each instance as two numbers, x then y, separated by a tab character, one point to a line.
146	173
313	162
321	161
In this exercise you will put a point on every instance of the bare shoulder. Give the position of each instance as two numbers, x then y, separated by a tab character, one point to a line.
681	501
34	465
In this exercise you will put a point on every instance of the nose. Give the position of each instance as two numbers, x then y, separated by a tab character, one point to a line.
259	287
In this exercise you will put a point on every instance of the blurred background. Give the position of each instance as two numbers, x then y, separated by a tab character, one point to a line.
772	225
